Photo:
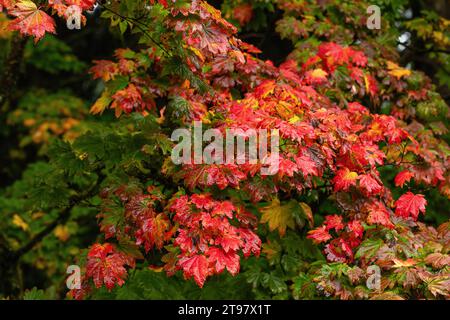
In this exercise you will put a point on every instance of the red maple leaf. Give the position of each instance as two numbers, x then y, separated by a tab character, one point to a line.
162	2
369	185
338	250
243	13
319	235
221	260
195	266
107	266
5	4
409	205
402	178
344	179
251	242
224	208
356	227
130	99
334	222
30	20
104	69
307	166
83	4
154	232
378	214
230	242
202	201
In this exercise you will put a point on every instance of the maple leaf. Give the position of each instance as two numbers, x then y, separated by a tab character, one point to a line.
307	166
210	38
224	208
107	266
6	4
369	185
370	85
286	167
356	227
195	266
162	2
319	73
338	250
319	235
316	76
334	222
403	177
154	232
344	179
104	69
307	213
209	175
279	216
230	241
130	99
102	103
251	242
83	4
243	13
409	205
202	201
222	259
396	71
358	57
266	88
378	214
30	20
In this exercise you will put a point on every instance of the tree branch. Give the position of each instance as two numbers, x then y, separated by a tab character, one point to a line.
10	72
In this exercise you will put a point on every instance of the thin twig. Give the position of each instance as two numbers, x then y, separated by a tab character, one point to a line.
139	25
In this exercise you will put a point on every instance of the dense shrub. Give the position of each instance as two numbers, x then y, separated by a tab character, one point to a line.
362	184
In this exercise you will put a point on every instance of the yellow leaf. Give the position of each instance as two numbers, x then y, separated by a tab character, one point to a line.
396	71
198	53
18	221
366	83
161	119
279	216
102	103
294	119
350	175
439	286
319	73
156	268
37	215
407	263
62	233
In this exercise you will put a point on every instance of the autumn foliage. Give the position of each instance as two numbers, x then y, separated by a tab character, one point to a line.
364	155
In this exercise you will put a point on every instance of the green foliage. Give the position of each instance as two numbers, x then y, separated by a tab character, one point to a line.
53	56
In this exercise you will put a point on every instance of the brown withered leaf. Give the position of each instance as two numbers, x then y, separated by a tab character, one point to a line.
438	260
387	296
440	286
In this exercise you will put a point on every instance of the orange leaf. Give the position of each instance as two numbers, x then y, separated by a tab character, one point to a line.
30	20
